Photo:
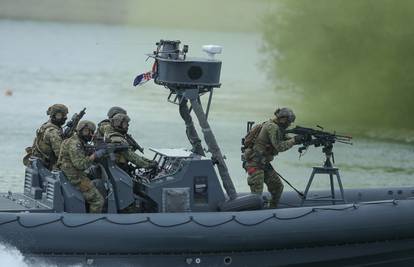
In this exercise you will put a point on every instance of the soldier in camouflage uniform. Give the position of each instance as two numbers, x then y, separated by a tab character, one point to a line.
46	145
270	141
73	161
105	125
120	124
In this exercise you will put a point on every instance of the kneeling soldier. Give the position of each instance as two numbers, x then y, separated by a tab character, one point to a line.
73	161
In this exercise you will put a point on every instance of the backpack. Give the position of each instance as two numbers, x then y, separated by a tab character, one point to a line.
251	136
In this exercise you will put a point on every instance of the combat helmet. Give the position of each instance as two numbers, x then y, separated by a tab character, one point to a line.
52	110
85	124
118	120
116	110
285	113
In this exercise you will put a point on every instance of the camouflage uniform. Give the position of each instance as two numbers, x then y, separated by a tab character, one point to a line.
46	145
123	157
73	161
270	141
105	125
103	128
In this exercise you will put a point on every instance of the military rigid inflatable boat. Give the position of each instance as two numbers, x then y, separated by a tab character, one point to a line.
187	219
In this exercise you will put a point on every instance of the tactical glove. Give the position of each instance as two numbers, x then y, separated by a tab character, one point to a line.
100	153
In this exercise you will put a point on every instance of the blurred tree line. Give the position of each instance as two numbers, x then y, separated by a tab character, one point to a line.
352	61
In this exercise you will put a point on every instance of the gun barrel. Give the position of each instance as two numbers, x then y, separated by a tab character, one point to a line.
344	142
344	136
71	125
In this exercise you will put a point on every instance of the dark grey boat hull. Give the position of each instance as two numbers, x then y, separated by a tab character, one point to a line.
387	253
379	232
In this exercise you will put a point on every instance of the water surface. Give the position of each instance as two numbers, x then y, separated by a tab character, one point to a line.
93	66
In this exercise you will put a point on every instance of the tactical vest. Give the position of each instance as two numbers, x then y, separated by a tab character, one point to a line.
119	138
42	149
263	151
263	142
100	132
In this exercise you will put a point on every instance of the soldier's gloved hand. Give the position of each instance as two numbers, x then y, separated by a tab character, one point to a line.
100	153
299	139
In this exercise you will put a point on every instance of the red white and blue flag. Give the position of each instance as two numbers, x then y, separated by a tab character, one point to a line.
145	77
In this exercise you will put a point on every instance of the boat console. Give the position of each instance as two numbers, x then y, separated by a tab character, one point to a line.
185	182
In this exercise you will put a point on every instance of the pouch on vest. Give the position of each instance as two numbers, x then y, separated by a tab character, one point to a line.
251	136
29	152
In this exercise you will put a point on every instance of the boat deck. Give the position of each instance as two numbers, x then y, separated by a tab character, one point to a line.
16	202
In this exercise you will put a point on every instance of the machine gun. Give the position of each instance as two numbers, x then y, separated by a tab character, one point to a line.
326	140
71	125
317	138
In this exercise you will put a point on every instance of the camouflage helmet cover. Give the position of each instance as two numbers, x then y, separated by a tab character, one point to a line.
85	124
52	110
285	113
115	110
118	119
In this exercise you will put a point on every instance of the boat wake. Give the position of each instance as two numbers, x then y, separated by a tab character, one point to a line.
12	257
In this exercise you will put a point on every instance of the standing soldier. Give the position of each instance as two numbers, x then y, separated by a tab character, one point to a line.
120	125
73	161
270	140
46	145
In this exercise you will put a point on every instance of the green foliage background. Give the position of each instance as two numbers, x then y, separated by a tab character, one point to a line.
352	61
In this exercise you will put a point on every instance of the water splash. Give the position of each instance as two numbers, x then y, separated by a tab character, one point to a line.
12	257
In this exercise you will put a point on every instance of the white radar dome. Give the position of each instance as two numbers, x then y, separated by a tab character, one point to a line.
212	50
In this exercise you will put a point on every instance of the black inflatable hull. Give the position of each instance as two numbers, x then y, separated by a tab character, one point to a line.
379	233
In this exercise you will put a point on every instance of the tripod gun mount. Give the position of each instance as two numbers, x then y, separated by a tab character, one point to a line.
327	150
187	80
319	138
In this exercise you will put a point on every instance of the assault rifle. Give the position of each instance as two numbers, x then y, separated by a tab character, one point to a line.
70	126
134	143
317	138
109	147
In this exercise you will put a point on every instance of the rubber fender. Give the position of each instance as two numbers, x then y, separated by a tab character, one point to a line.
244	202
